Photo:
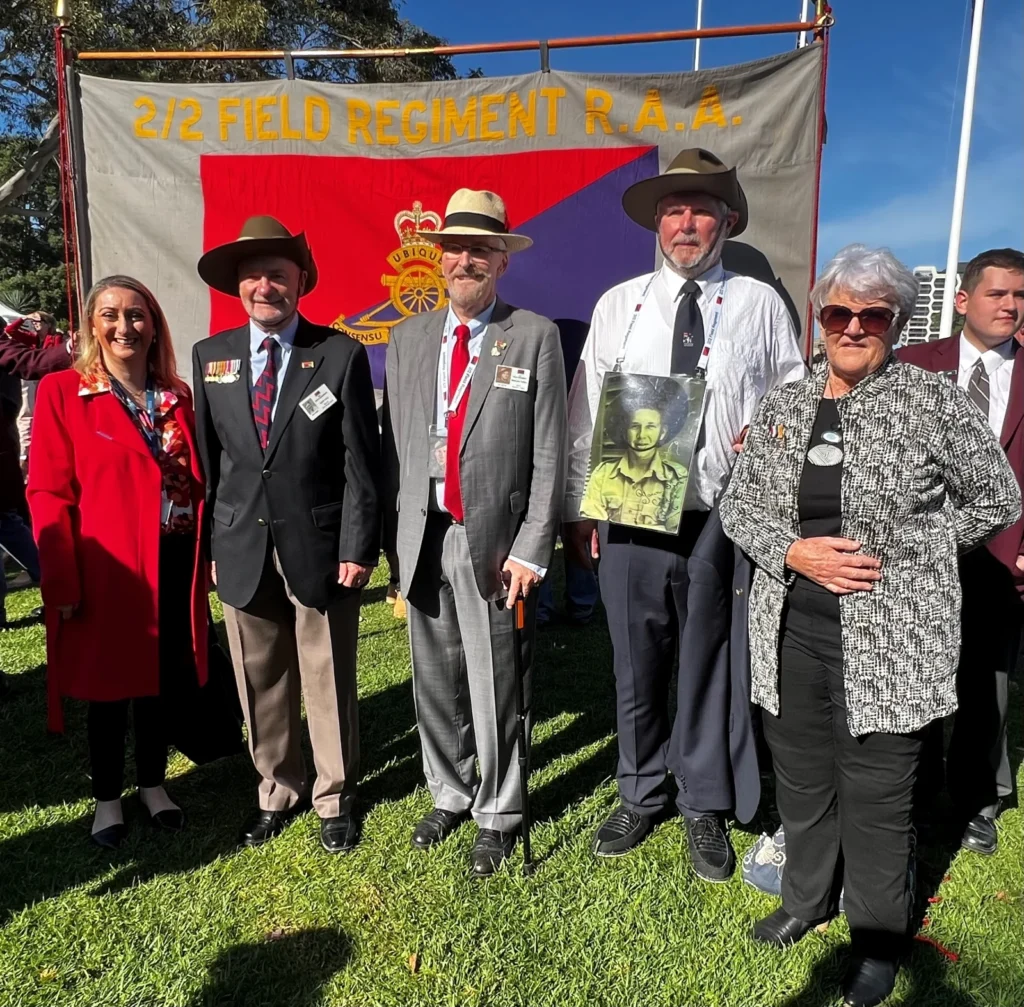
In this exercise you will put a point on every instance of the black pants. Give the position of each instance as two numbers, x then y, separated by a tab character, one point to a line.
845	802
644	586
107	723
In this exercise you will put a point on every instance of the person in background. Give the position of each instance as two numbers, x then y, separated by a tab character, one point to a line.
989	366
855	490
116	495
38	329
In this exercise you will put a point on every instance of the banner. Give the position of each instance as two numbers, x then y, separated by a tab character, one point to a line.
174	169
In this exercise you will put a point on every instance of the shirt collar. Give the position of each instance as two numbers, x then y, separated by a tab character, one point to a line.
993	359
673	282
657	470
286	337
476	325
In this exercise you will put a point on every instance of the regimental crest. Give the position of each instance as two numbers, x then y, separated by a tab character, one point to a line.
415	283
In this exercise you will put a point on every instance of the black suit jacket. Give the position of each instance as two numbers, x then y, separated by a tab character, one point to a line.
315	489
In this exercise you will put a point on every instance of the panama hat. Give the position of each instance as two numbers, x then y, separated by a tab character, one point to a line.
691	170
259	236
473	214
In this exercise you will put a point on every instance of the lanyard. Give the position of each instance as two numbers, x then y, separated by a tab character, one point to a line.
709	336
151	404
450	407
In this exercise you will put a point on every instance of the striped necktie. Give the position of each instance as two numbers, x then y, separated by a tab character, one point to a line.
978	388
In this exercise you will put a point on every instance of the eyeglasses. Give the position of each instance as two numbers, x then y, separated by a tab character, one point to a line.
481	253
836	318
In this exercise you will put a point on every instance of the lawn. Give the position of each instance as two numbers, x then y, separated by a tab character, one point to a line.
192	921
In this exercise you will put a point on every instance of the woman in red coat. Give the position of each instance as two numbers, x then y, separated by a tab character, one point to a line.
116	497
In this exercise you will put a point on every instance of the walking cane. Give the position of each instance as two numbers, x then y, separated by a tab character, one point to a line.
518	624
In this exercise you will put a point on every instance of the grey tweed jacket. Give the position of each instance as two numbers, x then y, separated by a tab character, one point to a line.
923	480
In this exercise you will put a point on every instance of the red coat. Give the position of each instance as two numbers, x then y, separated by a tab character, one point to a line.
943	355
94	492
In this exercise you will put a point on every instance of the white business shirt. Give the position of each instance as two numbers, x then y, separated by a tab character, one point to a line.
755	349
477	328
285	339
999	366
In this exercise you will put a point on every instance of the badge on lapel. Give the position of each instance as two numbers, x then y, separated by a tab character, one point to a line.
308	365
499	348
222	372
318	402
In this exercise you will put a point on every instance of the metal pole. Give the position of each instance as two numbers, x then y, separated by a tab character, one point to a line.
960	189
801	39
696	41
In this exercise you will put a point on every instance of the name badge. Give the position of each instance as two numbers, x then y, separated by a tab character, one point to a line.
318	402
515	378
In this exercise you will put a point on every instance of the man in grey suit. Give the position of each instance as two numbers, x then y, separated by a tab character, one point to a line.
476	412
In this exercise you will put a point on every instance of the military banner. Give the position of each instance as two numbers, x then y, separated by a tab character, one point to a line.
174	169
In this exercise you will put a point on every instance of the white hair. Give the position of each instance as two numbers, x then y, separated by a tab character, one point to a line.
871	274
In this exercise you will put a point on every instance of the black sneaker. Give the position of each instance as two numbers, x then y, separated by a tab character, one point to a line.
622	830
710	850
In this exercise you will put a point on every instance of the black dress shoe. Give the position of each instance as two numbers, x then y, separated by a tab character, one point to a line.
265	825
489	850
869	981
981	835
437	827
339	834
781	929
712	854
111	837
621	831
171	820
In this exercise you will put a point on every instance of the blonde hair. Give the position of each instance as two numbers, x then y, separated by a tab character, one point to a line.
161	365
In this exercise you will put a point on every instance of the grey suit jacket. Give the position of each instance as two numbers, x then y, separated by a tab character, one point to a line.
513	450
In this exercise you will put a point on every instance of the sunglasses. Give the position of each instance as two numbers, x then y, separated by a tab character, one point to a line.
874	321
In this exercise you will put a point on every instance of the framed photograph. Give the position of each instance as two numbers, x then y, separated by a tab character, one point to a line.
644	438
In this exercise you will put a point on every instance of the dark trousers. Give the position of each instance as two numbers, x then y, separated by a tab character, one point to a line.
845	802
644	586
107	722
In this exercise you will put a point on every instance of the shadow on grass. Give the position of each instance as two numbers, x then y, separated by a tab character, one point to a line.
287	971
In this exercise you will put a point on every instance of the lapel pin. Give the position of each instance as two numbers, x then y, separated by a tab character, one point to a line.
498	348
308	364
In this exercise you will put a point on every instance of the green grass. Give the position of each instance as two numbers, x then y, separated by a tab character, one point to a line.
192	921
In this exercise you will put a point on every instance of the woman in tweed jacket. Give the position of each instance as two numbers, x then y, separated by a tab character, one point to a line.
855	492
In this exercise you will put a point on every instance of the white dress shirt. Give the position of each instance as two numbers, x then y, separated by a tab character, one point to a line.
258	357
999	367
755	349
477	329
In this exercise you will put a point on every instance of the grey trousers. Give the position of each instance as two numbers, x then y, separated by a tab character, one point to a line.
281	651
463	682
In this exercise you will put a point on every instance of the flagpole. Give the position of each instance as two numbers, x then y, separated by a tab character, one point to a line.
960	189
696	41
801	38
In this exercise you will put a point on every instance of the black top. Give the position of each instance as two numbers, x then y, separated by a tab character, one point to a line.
820	499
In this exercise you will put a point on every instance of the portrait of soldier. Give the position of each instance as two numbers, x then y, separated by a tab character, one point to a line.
643	487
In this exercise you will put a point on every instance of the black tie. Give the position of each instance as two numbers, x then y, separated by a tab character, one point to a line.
688	334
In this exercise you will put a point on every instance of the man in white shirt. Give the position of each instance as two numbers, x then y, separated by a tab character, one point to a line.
689	315
989	366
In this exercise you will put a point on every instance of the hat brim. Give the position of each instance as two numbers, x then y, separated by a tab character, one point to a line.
218	268
640	200
513	242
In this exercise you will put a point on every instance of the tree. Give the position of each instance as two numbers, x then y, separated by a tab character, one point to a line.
31	236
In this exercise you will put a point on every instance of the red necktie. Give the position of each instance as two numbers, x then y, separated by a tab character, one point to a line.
452	486
263	393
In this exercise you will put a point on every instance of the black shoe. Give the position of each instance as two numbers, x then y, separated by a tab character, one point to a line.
868	981
710	850
781	929
264	825
981	835
489	850
437	827
111	837
171	820
621	831
339	834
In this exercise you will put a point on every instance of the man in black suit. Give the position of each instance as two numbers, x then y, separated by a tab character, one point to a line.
287	431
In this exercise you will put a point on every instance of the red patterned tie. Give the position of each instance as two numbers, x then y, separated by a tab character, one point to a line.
263	393
452	486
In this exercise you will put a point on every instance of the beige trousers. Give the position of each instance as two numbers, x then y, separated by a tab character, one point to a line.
281	652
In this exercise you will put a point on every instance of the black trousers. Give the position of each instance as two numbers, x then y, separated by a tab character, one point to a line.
644	586
107	723
846	802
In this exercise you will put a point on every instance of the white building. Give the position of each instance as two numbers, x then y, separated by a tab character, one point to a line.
923	326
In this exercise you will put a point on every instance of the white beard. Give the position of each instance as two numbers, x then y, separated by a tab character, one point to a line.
706	261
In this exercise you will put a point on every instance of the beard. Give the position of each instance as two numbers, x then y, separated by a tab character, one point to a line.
469	295
709	254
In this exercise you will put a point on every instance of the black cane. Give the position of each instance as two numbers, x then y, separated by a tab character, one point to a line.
518	624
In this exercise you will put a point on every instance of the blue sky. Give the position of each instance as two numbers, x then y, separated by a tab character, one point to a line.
894	100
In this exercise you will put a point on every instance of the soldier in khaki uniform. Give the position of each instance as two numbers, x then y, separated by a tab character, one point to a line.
643	488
